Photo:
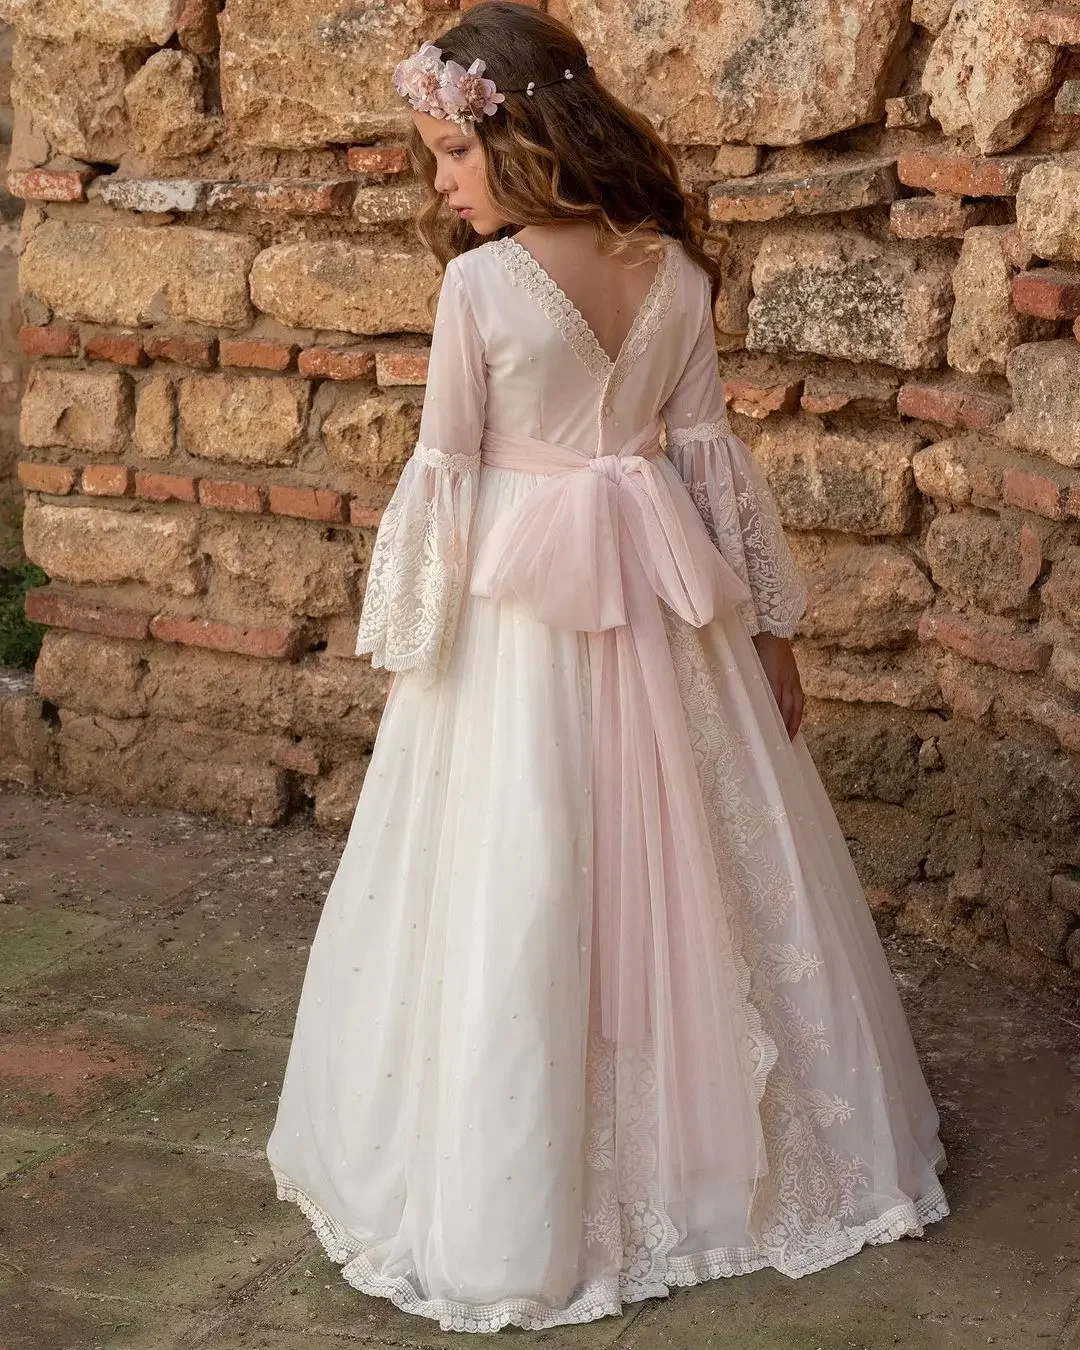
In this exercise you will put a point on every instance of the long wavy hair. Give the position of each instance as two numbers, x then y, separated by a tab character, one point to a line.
572	151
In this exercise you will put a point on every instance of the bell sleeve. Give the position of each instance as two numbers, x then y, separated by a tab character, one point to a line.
731	492
416	577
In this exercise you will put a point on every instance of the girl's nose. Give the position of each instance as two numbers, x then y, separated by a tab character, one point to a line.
444	180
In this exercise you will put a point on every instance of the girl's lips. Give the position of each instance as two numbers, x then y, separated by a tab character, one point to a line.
463	211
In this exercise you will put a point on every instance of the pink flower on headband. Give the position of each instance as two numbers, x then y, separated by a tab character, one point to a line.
418	78
468	93
446	89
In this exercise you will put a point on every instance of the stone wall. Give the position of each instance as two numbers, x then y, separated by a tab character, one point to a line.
223	303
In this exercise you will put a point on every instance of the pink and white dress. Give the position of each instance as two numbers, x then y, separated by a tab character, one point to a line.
596	1006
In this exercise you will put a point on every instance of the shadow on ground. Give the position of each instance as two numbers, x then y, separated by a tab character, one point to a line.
149	971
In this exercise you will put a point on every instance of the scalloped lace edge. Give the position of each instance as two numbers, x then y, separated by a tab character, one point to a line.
604	1297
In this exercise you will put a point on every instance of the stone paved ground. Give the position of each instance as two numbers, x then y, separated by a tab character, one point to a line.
149	969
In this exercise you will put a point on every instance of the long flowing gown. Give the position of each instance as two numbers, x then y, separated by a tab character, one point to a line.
596	1006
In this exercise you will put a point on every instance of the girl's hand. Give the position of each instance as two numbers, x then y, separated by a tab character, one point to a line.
778	659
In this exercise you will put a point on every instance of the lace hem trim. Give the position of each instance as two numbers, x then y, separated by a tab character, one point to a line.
606	1296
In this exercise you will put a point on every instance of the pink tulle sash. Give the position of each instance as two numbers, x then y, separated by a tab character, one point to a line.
595	547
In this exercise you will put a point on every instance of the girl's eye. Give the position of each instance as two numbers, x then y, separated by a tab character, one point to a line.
460	150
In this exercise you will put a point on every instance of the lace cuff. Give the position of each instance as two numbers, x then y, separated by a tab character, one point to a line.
416	578
736	503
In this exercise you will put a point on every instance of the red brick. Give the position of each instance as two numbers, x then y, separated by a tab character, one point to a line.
57	479
378	158
107	480
759	398
44	605
1056	24
402	367
952	406
937	217
255	353
123	349
197	27
1047	293
311	503
965	175
49	185
362	514
48	340
1032	490
981	639
300	198
164	487
282	643
226	496
828	393
182	348
337	363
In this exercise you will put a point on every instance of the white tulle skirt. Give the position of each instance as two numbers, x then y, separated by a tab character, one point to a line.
446	1118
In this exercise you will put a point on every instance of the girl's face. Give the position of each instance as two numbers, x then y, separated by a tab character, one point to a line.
460	172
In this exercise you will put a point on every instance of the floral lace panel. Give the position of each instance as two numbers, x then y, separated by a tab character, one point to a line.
736	503
417	574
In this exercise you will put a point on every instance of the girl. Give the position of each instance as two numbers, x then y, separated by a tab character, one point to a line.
596	1006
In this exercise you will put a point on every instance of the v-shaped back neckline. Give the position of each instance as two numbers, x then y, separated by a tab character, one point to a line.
568	318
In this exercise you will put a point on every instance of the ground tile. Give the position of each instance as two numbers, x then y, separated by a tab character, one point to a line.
224	1099
20	1149
33	941
37	1318
159	1225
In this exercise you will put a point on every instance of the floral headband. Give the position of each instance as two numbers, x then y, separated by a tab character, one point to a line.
446	89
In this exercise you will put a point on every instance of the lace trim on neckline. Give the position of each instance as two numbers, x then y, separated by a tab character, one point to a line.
533	278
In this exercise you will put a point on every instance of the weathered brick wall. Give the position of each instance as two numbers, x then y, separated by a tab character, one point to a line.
224	306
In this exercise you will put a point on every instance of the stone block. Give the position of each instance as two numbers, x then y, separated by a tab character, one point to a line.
342	286
987	561
267	566
836	389
985	78
388	203
101	546
155	417
84	118
1045	382
733	69
844	295
166	108
84	410
1057	24
1048	211
903	677
936	217
985	326
120	23
840	186
856	481
372	433
910	111
127	276
868	597
1061	593
294	77
243	419
956	471
155	195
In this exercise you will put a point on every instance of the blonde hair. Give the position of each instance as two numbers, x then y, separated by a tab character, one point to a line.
570	151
